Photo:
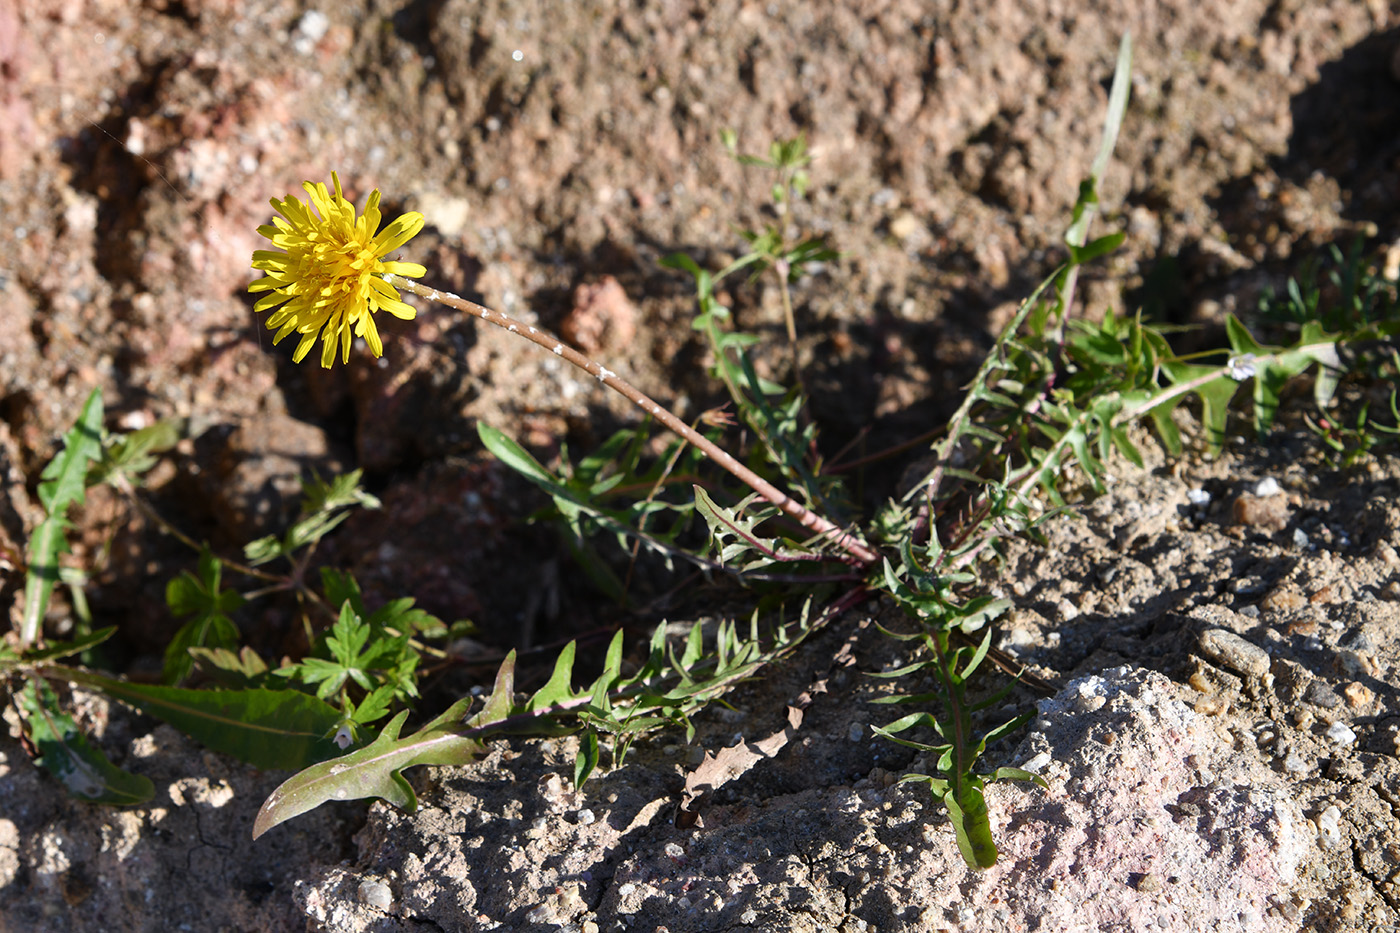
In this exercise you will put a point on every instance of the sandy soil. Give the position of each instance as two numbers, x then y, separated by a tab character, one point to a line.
140	145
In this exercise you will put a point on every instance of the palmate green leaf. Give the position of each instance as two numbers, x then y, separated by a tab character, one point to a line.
266	728
340	586
66	753
356	651
211	626
61	484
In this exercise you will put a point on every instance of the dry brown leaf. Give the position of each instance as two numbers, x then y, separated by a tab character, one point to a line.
719	768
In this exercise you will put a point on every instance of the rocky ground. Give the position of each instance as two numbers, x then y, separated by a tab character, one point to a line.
1221	743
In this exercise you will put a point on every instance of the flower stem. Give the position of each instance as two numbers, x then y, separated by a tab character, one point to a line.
857	552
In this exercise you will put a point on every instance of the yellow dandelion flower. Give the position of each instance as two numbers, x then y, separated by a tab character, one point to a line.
327	271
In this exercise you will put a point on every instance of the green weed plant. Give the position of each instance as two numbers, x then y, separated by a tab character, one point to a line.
1050	406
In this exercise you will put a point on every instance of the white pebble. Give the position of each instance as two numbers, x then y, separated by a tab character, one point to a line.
1329	827
1268	486
1341	734
314	25
586	818
376	894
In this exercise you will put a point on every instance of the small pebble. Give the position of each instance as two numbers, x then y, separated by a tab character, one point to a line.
626	890
1324	594
1329	827
1268	486
1320	693
1359	696
1340	734
1198	497
586	817
1300	539
1149	882
1269	513
1245	586
1358	663
1234	652
1295	763
856	732
1018	638
376	894
748	916
1287	595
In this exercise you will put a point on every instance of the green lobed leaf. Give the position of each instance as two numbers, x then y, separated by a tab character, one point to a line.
230	670
373	771
559	687
66	753
61	484
266	728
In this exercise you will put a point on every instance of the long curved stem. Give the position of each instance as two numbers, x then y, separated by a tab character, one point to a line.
857	552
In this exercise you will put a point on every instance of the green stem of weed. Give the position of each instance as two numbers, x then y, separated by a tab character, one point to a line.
857	552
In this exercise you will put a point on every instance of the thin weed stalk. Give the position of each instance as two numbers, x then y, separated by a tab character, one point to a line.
856	552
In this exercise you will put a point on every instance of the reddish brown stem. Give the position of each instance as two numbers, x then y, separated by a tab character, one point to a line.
857	552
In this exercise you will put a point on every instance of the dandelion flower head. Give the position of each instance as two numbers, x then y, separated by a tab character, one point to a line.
326	276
